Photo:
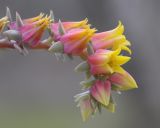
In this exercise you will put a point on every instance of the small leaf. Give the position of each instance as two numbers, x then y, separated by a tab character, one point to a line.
84	66
90	49
61	28
56	47
8	14
19	21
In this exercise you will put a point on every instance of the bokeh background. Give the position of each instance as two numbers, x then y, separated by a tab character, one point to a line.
37	91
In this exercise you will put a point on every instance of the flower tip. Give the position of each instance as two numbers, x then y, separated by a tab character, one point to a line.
120	28
85	21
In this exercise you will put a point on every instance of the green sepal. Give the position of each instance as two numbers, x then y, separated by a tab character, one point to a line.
82	67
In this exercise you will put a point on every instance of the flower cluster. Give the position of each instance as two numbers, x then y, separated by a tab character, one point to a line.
101	53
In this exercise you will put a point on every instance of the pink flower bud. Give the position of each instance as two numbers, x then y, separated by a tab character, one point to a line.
101	91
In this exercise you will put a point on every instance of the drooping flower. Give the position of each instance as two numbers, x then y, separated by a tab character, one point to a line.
3	22
112	39
73	41
101	91
107	62
122	81
68	26
31	29
14	25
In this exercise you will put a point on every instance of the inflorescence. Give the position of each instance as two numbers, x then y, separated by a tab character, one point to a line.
101	54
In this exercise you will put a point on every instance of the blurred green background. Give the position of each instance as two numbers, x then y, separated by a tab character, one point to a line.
37	91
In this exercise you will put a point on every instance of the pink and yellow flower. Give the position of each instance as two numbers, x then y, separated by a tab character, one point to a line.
68	26
33	20
122	81
32	29
75	40
107	62
101	91
3	22
112	39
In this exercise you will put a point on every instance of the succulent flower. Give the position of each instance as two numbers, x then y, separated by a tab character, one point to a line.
112	39
31	29
74	41
101	91
122	81
16	24
3	22
67	26
107	62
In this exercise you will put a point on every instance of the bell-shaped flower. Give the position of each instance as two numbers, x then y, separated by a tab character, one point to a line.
107	62
122	81
14	25
112	39
75	41
68	26
3	22
31	29
101	91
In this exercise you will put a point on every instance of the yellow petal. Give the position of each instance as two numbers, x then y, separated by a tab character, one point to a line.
126	49
120	60
116	52
118	69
